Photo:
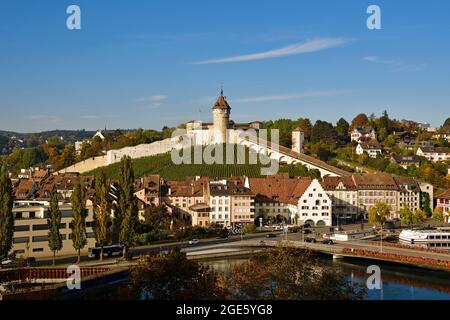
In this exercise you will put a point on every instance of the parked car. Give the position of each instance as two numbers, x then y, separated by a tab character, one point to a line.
8	263
307	231
194	241
271	235
312	240
327	241
306	225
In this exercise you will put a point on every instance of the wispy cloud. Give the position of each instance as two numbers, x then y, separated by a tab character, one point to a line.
294	96
295	49
396	66
88	117
44	118
154	98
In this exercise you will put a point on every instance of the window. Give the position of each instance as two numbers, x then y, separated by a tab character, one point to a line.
21	240
38	249
40	238
37	227
22	228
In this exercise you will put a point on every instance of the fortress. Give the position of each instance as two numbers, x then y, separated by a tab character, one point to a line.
221	130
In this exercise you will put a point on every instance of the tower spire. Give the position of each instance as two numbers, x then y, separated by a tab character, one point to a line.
221	90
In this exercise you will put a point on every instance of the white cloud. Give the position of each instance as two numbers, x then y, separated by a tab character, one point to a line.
298	48
371	58
397	66
44	118
295	96
154	98
88	117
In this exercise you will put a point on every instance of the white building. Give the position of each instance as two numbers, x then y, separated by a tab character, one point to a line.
434	154
372	150
360	134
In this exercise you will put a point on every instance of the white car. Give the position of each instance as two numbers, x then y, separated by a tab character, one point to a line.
7	262
194	241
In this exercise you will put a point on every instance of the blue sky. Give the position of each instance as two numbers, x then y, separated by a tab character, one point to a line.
154	63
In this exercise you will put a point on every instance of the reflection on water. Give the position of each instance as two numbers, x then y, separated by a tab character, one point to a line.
398	282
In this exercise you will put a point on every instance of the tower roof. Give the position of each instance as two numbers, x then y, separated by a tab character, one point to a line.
221	102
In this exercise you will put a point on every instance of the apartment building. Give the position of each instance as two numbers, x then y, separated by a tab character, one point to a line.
220	202
31	229
344	198
408	193
376	188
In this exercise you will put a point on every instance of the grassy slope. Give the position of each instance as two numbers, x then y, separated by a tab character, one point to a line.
163	165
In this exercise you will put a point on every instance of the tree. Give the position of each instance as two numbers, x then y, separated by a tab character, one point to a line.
172	277
406	215
379	213
6	214
446	125
157	218
323	131
425	203
438	214
419	217
305	125
78	225
288	274
127	204
54	223
360	120
342	128
102	211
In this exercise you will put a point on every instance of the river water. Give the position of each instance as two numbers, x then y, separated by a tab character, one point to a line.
397	282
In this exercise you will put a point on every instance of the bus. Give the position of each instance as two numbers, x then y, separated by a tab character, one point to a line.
108	251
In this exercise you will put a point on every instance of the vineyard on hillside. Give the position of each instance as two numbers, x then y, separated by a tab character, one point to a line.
162	164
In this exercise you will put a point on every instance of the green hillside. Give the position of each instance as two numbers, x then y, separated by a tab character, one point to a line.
162	164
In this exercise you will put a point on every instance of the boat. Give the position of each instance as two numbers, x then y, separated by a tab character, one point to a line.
429	238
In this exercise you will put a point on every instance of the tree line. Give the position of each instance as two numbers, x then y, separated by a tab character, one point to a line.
121	228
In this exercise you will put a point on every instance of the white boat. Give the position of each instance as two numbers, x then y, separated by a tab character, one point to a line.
439	238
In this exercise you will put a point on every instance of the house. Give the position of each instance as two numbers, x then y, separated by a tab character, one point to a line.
443	201
26	189
363	134
372	150
434	154
442	135
181	195
148	189
344	198
413	144
405	161
295	200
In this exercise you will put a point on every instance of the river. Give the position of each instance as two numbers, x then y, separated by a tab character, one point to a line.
397	282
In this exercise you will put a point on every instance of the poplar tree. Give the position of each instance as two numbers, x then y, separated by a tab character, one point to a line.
102	211
78	225
54	224
6	215
127	204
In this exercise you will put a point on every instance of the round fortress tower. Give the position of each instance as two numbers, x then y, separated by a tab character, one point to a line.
221	119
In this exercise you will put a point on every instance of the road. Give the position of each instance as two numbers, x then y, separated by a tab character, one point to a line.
142	250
